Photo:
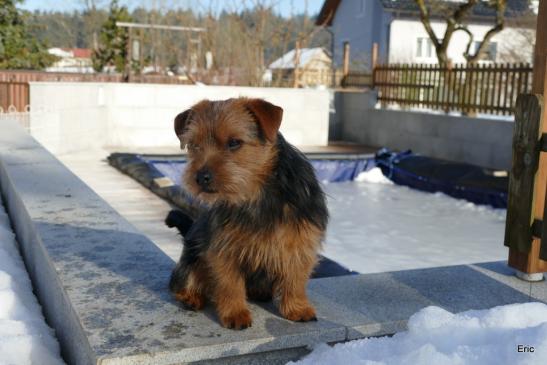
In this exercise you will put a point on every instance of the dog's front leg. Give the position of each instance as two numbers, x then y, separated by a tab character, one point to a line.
229	292
294	304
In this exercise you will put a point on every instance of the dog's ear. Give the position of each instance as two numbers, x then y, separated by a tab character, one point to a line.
181	122
267	115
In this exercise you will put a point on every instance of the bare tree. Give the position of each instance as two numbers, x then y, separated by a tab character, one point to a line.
455	19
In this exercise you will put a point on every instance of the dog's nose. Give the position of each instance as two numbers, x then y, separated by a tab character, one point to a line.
204	177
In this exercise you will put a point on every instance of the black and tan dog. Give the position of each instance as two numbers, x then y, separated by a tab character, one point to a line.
265	214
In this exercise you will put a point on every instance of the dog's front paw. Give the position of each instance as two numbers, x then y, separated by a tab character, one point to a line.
238	320
190	299
300	314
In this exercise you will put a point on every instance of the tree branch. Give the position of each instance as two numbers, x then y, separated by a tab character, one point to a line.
452	22
455	20
471	38
424	17
500	23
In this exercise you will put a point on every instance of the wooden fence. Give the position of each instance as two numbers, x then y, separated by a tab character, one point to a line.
14	85
306	77
356	80
486	88
14	96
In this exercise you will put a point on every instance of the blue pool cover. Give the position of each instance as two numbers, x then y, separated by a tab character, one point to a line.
459	180
325	170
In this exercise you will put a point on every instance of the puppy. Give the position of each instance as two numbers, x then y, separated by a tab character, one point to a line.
264	214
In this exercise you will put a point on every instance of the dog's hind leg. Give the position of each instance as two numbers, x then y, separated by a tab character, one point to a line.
189	285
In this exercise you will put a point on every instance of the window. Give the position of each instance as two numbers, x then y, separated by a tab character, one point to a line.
424	48
490	53
429	48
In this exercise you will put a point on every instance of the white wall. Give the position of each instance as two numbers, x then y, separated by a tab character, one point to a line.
404	35
68	117
72	116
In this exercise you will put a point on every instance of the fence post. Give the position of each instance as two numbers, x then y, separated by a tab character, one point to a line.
346	60
528	264
296	72
374	56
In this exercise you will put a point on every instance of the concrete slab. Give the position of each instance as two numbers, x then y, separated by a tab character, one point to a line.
386	300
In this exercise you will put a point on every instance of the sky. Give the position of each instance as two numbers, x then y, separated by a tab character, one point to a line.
285	7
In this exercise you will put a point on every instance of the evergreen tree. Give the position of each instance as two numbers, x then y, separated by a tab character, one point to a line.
113	41
18	48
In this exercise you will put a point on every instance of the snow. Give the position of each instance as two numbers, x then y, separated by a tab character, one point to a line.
436	336
453	113
373	175
25	338
376	226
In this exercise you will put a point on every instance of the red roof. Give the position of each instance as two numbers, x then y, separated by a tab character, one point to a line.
79	52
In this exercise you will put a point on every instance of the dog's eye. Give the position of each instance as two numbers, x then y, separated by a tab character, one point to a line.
234	144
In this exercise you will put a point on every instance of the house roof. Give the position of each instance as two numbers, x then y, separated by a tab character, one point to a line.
306	55
59	52
80	52
481	9
71	52
409	7
327	12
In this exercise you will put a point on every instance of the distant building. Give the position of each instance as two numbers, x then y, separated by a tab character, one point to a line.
314	67
77	60
395	25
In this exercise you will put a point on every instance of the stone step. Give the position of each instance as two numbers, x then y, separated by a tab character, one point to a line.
103	285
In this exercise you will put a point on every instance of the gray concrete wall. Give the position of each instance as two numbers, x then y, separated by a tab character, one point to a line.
479	141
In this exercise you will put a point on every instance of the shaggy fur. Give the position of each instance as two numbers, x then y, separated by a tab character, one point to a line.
265	214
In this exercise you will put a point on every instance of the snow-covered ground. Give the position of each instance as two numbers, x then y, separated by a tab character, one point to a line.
25	338
377	226
504	118
435	336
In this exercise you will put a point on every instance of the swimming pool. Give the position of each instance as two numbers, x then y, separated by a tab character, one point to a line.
364	214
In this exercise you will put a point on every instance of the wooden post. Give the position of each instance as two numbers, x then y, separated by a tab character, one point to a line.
529	263
127	72
296	73
374	56
345	69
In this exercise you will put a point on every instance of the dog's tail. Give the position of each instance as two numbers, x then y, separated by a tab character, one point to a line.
181	221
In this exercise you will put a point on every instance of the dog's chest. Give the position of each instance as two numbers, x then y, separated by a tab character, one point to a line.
269	249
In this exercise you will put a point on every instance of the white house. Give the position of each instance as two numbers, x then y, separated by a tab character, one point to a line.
396	27
76	60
